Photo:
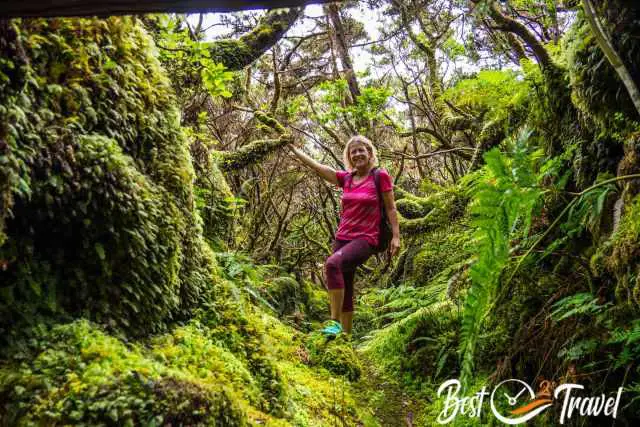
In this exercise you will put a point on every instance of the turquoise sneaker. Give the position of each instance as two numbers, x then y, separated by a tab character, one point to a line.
331	328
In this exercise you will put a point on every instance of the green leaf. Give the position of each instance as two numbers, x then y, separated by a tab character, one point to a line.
100	251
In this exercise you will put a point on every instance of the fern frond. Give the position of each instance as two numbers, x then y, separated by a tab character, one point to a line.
504	198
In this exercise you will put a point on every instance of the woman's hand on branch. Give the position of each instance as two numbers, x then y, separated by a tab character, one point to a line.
324	171
394	246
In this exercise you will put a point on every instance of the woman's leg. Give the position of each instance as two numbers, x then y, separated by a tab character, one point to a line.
340	269
348	301
335	281
336	299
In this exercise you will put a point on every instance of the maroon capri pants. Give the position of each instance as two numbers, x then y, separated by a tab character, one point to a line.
340	267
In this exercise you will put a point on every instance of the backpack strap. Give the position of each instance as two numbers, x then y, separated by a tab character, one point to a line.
376	180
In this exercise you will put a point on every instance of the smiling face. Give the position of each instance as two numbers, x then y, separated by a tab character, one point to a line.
359	155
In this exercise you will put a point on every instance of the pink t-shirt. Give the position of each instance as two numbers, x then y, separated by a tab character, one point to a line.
360	207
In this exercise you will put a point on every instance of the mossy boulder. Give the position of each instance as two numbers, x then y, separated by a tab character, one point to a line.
302	301
410	209
334	354
317	301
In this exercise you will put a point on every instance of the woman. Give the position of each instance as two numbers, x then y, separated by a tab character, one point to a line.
359	229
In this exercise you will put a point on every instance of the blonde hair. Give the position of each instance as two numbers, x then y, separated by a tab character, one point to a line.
373	161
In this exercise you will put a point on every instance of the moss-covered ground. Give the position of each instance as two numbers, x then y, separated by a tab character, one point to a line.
76	373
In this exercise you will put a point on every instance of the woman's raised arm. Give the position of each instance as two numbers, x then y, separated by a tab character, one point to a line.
324	171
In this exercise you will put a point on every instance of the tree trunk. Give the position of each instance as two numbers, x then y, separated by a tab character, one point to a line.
609	51
343	51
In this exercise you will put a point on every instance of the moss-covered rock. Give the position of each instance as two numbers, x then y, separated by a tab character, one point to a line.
334	354
410	209
317	302
285	293
98	217
301	301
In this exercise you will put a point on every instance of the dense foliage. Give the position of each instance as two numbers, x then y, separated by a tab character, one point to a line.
161	253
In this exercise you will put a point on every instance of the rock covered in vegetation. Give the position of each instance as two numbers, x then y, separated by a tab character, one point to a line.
75	373
99	214
334	354
291	298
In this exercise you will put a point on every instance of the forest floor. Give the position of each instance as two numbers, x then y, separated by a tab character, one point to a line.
390	405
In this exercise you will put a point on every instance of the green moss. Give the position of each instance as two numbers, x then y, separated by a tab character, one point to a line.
623	248
234	54
285	294
336	355
442	207
410	209
617	257
237	54
214	199
317	301
75	374
301	302
411	346
251	153
443	248
190	349
186	403
99	201
597	89
271	122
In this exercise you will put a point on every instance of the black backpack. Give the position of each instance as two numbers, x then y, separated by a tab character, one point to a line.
385	228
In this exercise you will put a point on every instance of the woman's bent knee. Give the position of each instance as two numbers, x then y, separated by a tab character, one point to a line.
333	273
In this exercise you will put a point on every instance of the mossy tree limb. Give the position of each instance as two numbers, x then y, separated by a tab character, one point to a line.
256	150
236	54
251	153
